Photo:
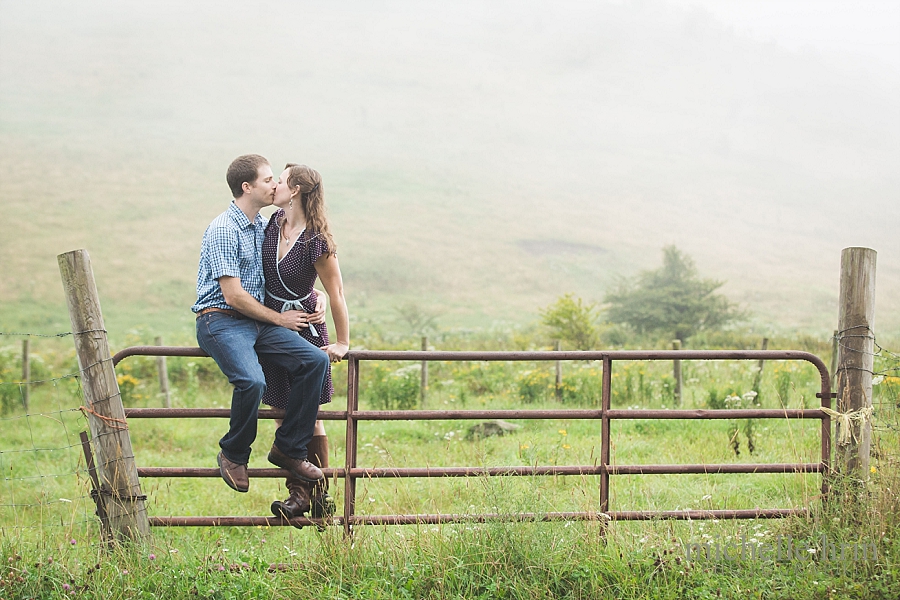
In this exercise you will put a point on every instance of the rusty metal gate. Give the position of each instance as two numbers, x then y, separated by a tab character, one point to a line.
351	472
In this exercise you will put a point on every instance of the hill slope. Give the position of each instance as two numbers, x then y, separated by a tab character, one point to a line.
478	160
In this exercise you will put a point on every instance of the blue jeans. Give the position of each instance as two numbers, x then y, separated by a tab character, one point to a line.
237	345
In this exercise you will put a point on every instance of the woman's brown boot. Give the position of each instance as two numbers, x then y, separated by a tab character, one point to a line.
297	503
321	503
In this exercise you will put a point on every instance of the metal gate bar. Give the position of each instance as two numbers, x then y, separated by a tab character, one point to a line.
351	472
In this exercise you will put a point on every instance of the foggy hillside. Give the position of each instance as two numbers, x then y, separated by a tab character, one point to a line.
478	159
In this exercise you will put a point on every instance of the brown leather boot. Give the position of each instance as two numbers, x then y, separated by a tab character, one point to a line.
297	503
321	503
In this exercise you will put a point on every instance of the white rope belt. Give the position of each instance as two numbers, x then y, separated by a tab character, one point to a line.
287	305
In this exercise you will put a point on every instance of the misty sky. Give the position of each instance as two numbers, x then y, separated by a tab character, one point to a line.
868	29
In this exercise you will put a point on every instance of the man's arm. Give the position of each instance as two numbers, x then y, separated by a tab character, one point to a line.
238	298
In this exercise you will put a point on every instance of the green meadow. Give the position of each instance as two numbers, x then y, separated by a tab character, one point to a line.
51	537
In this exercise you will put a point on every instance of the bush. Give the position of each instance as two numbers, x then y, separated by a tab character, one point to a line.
583	385
485	378
535	386
394	390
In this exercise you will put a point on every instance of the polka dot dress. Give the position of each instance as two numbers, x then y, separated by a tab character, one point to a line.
292	277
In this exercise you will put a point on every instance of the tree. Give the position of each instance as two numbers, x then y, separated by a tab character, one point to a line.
420	319
672	300
571	320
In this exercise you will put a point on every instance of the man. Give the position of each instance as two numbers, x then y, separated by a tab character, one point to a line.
236	329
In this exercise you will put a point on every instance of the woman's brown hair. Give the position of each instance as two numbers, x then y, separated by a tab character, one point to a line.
312	201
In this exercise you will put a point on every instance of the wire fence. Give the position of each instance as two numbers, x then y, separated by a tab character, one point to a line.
45	489
885	378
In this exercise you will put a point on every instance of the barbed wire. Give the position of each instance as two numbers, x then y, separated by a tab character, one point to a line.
51	335
881	351
29	334
74	374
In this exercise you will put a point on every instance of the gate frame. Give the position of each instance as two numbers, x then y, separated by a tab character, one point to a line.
351	472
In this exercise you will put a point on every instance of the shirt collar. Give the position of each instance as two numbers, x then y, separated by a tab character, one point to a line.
240	218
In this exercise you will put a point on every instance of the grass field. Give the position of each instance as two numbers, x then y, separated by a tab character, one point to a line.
47	512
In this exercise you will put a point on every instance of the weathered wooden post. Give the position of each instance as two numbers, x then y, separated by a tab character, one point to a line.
834	357
856	337
120	487
163	375
26	373
423	384
757	378
676	372
558	374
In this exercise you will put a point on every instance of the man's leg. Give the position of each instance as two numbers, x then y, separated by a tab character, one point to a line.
307	366
230	342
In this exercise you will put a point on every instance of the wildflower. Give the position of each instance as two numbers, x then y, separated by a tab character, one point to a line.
49	560
66	587
72	541
563	432
873	470
221	567
152	557
524	446
124	571
566	446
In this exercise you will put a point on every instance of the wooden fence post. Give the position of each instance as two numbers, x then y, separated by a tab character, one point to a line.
558	374
834	357
120	487
163	375
423	385
757	378
857	345
676	372
26	373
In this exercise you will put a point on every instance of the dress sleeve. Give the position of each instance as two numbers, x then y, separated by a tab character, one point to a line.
317	247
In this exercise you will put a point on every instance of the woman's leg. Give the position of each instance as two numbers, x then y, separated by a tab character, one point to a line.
297	503
322	504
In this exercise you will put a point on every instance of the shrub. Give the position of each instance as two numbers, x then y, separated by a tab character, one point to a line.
485	378
535	386
394	390
583	385
572	320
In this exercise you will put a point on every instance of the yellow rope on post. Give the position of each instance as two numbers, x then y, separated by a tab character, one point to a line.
845	422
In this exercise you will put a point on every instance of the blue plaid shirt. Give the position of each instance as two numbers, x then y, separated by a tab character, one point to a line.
232	246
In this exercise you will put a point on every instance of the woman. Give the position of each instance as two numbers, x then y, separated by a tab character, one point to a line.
299	248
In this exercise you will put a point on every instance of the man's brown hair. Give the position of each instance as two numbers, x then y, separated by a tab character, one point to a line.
243	169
